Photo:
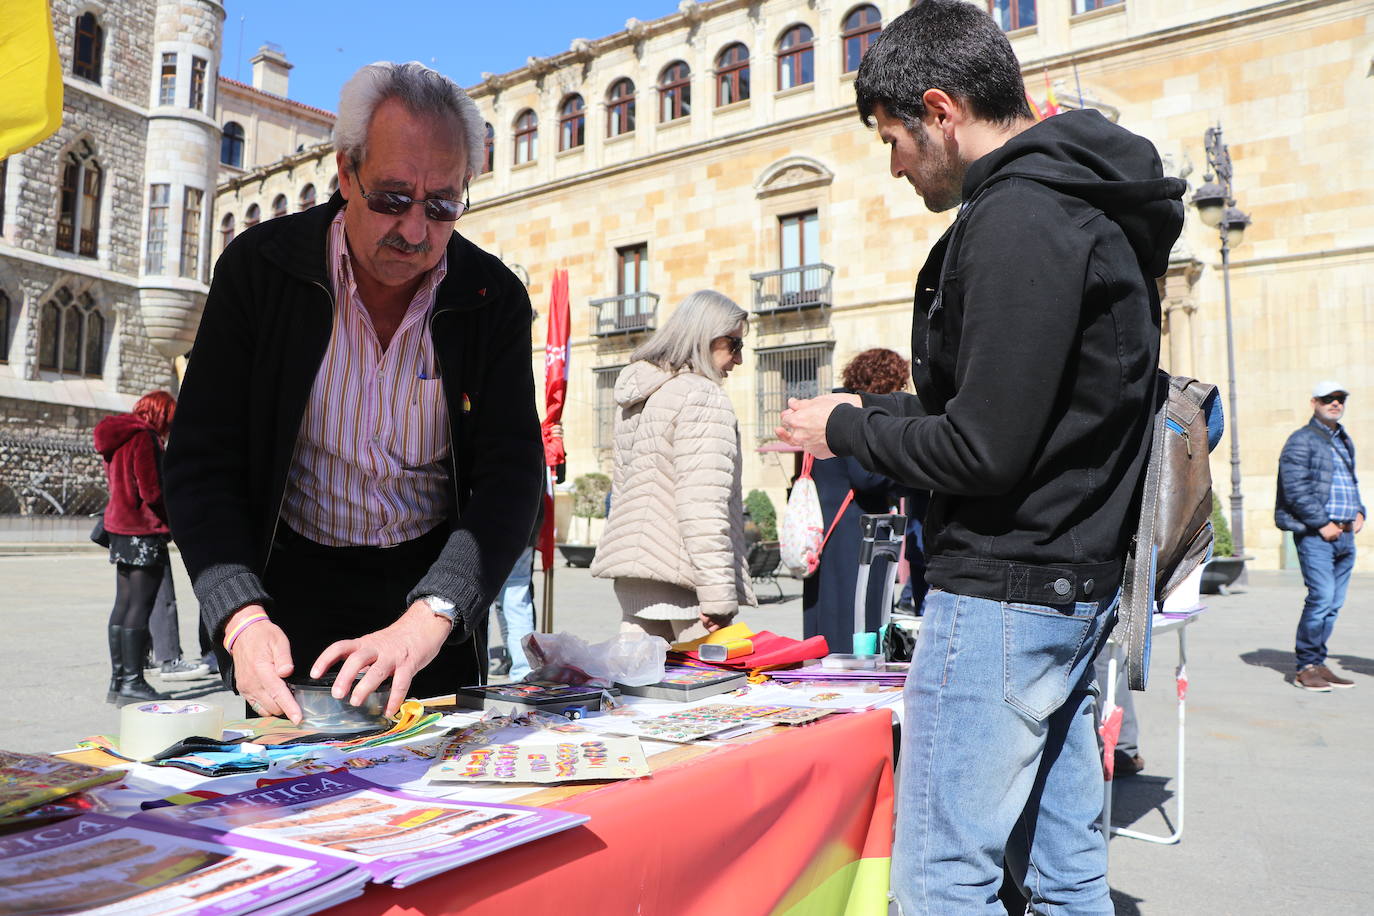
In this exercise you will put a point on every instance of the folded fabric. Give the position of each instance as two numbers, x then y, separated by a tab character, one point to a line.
771	649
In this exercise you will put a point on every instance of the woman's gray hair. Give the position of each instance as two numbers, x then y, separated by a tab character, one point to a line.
685	338
421	90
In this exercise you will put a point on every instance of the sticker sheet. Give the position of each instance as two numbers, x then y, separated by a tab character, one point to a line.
576	758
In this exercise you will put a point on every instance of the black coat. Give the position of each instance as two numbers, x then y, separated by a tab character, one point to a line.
261	340
828	596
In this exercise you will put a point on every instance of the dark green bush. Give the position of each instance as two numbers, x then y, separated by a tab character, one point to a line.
760	509
1224	546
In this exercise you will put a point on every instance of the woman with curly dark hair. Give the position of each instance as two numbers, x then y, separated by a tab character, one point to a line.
136	522
828	595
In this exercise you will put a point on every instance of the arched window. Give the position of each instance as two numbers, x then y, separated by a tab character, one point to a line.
620	108
674	92
488	150
861	29
796	58
231	145
572	122
252	217
226	230
1013	14
71	335
89	48
307	198
526	137
5	318
279	206
732	75
78	217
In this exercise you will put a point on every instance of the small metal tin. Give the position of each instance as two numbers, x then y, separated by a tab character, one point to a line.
321	712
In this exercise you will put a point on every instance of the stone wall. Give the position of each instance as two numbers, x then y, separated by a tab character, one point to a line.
47	463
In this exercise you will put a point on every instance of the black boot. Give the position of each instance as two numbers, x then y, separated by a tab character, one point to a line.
116	662
133	643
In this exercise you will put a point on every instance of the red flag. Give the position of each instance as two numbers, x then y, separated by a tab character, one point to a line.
555	394
1035	109
1051	103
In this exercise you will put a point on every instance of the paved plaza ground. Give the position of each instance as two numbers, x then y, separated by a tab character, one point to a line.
1279	793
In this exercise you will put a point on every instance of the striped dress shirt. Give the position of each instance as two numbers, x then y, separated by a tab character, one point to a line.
369	469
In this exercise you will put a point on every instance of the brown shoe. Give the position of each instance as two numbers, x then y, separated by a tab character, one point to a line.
1124	764
1334	679
1310	678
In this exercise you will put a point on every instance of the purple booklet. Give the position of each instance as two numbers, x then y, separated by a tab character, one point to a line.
392	836
890	673
103	865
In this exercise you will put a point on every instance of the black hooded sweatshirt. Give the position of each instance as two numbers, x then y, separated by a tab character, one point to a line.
1034	366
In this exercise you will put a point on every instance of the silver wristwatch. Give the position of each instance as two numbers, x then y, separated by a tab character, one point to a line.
442	607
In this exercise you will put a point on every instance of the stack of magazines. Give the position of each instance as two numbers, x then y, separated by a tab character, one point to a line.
293	847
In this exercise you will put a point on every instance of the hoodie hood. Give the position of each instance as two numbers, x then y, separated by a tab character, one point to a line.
638	381
113	432
1083	155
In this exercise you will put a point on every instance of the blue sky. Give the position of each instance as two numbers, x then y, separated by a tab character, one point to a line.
461	38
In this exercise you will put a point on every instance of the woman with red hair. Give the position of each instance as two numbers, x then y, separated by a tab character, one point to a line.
136	522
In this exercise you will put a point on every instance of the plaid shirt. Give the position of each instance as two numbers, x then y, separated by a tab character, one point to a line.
1344	502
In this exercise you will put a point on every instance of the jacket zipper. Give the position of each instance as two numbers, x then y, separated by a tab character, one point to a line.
300	420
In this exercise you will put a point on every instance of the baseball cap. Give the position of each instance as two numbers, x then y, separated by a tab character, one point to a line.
1328	386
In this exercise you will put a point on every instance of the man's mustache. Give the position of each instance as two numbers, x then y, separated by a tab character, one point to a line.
394	240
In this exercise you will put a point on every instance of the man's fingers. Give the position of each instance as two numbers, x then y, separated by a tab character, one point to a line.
332	653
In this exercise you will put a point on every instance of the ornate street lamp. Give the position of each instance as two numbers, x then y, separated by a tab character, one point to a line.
1216	207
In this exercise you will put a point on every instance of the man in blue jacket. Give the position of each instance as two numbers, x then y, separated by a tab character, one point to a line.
1319	501
1035	339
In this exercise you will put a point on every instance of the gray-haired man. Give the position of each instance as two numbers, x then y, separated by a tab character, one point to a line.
356	460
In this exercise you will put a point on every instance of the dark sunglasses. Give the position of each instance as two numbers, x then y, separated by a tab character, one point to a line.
736	343
1327	399
394	204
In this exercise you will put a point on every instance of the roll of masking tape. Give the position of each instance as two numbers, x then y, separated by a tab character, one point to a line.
146	729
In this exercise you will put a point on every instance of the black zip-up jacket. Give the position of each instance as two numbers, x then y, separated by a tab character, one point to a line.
263	336
1034	362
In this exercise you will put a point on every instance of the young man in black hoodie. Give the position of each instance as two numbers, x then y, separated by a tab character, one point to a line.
1035	339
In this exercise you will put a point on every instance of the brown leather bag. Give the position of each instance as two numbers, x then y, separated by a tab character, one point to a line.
1175	515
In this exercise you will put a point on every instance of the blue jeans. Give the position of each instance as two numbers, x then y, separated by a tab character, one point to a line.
999	759
1326	569
514	607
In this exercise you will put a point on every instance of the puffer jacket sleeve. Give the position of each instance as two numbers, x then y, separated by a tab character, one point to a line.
704	451
1298	485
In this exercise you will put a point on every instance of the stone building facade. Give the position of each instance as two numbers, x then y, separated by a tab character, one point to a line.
104	235
276	156
782	200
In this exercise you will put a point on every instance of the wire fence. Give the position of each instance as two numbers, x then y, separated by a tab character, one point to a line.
46	476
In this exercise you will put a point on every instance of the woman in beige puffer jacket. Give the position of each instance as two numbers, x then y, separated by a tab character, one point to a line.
674	542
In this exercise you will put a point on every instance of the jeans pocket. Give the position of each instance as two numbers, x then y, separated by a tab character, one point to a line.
1040	648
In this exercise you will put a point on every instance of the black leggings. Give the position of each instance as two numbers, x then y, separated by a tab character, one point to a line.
135	593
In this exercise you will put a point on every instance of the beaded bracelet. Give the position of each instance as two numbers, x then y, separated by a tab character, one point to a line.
242	625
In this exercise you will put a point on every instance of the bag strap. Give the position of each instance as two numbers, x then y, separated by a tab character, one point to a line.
848	498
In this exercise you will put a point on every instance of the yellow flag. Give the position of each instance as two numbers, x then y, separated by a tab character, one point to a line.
30	76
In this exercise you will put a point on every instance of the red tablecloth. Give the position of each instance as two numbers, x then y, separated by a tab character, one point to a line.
798	823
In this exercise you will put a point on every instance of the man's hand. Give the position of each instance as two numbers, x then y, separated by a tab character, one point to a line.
1330	531
803	422
262	657
396	652
1359	522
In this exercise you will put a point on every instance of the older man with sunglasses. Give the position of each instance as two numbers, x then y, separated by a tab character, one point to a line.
1319	501
356	461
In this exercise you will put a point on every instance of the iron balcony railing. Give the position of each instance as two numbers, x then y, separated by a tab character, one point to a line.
792	288
624	314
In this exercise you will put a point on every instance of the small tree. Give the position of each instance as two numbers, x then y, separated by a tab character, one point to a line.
589	498
760	509
1223	546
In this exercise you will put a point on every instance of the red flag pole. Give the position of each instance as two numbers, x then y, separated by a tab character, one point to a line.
555	394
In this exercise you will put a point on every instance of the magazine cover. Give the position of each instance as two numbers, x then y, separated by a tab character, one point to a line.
387	833
104	865
30	780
